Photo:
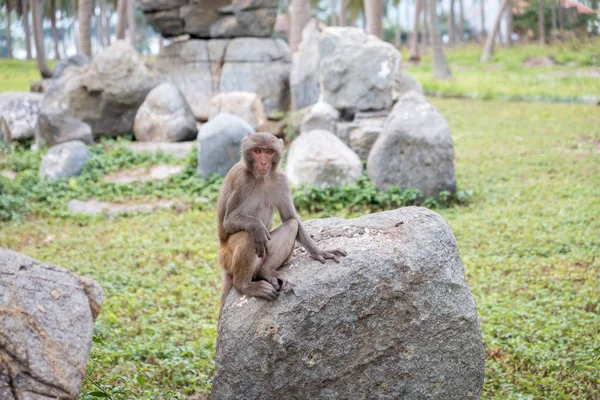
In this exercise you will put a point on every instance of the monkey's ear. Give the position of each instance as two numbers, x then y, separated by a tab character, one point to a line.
281	141
244	139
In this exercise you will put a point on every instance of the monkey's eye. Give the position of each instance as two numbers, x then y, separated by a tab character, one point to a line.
270	152
256	151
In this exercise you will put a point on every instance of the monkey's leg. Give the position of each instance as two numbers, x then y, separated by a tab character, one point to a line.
244	265
281	247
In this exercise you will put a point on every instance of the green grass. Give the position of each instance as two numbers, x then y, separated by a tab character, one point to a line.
18	75
505	76
530	241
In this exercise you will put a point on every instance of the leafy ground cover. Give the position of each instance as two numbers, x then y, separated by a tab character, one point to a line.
576	78
529	238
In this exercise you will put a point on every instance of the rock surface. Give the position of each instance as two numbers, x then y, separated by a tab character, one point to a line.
321	116
395	319
246	105
219	142
144	174
105	94
78	60
64	160
211	18
357	71
56	128
406	82
47	315
203	68
164	116
20	111
368	127
304	76
177	150
319	158
415	149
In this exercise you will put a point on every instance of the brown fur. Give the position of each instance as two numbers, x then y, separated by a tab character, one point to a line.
250	253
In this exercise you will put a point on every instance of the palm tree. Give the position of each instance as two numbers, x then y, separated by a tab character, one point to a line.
482	3
451	23
23	12
85	27
509	23
8	33
38	37
122	22
299	17
488	49
414	38
440	65
461	23
333	17
542	34
374	17
356	9
343	10
131	20
398	28
52	12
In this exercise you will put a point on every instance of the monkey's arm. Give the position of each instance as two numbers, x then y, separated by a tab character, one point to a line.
287	211
236	220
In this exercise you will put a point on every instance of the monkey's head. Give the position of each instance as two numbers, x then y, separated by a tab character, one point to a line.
261	152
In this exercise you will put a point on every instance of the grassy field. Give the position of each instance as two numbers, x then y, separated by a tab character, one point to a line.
576	77
530	241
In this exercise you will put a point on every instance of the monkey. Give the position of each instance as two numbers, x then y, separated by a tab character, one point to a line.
250	253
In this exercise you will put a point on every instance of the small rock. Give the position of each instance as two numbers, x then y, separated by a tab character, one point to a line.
321	116
64	160
219	142
20	113
319	158
144	174
56	128
246	105
178	150
164	116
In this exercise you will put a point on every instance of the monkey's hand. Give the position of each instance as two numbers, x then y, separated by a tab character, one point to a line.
261	235
322	255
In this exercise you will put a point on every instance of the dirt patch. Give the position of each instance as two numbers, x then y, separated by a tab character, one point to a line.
543	61
95	207
144	174
8	174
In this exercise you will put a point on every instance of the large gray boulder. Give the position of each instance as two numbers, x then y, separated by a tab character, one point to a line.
164	117
20	112
47	315
64	160
78	60
105	94
415	150
219	142
56	128
357	71
203	68
405	82
319	158
211	18
304	76
394	320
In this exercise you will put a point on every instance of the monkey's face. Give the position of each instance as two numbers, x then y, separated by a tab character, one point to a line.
263	160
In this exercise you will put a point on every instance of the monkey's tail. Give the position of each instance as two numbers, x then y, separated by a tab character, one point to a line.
227	285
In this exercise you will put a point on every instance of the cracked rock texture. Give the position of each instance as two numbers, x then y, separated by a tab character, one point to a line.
211	18
46	319
394	320
203	68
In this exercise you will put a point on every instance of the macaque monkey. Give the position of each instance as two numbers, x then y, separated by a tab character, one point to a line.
250	252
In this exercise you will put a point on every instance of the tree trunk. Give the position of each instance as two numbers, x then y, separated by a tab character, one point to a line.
374	17
26	28
461	22
509	23
38	37
426	23
85	27
482	14
100	24
122	22
488	49
131	21
561	16
595	8
107	18
541	33
440	65
414	37
451	23
54	31
343	12
8	33
333	16
398	29
299	17
554	24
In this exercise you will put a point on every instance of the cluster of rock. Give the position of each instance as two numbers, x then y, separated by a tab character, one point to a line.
395	319
358	105
47	316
